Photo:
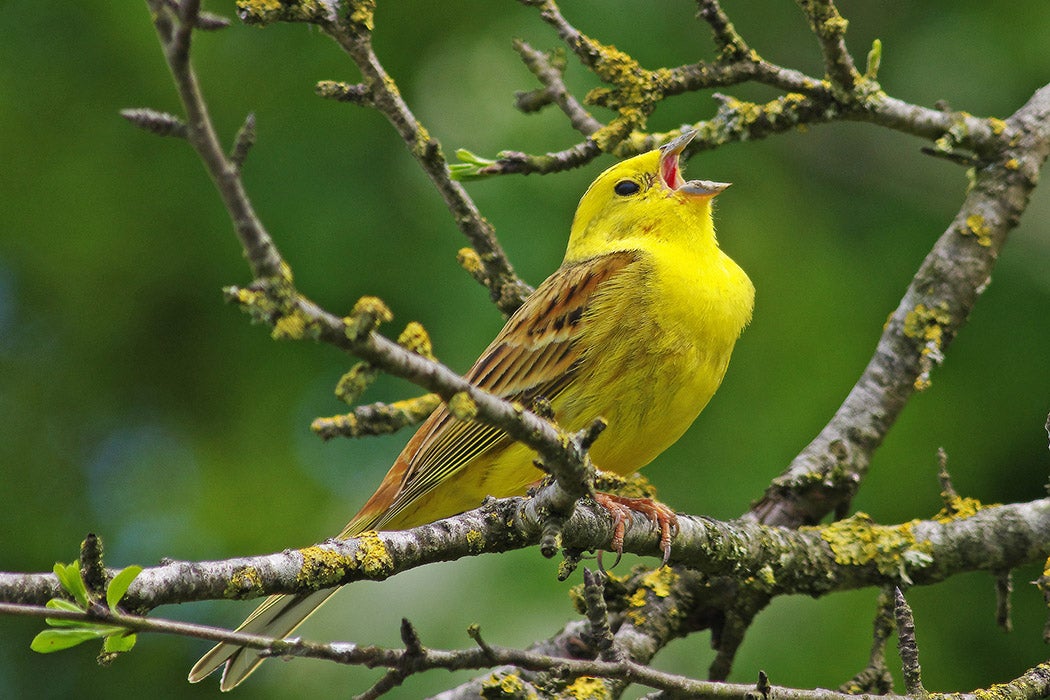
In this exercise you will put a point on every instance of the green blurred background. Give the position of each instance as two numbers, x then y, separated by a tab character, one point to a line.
134	403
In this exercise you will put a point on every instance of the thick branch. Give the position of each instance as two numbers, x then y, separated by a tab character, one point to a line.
810	562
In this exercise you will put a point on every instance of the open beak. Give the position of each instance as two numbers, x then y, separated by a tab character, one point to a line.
671	172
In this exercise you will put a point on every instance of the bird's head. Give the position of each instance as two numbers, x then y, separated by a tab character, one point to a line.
642	196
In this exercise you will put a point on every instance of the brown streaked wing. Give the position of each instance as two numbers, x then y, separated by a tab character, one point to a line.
535	355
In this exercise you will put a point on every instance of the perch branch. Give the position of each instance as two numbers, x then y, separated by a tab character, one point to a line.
809	562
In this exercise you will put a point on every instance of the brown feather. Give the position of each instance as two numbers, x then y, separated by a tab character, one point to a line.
535	355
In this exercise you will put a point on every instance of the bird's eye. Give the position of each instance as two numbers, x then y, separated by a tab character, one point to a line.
625	188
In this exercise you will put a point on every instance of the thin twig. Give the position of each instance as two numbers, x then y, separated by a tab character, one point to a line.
555	89
907	646
506	289
174	32
830	29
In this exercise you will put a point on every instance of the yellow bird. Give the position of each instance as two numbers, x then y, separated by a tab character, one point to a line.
636	326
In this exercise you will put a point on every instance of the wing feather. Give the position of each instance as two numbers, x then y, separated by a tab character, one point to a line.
535	355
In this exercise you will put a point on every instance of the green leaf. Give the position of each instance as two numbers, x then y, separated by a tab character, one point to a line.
71	580
116	643
50	641
470	166
119	586
874	60
63	604
67	606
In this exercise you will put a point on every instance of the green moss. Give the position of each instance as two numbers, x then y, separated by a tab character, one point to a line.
859	541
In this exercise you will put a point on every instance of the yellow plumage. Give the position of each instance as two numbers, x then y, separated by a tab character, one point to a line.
636	326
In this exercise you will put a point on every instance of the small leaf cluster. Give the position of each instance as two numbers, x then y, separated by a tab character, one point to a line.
69	633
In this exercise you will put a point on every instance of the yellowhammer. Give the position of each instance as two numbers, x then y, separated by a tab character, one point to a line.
636	326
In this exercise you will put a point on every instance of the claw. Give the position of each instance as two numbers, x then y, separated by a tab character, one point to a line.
621	509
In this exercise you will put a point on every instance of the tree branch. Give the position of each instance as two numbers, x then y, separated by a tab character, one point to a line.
849	554
933	310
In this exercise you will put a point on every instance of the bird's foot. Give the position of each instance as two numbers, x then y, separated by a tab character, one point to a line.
622	510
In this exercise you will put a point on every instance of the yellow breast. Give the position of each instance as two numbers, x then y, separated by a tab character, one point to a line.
662	336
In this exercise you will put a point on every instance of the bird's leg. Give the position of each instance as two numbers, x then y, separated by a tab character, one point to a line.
621	509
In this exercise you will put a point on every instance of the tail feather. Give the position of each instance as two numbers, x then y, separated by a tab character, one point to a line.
278	616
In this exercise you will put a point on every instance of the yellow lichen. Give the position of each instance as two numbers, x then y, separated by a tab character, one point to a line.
267	11
245	583
423	143
362	12
660	581
925	323
462	406
500	685
291	326
372	555
637	599
365	317
975	224
256	11
998	126
613	133
244	296
657	582
470	261
321	567
859	541
1043	582
634	485
1012	164
354	383
416	339
382	419
418	407
836	25
958	508
586	688
766	576
475	541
